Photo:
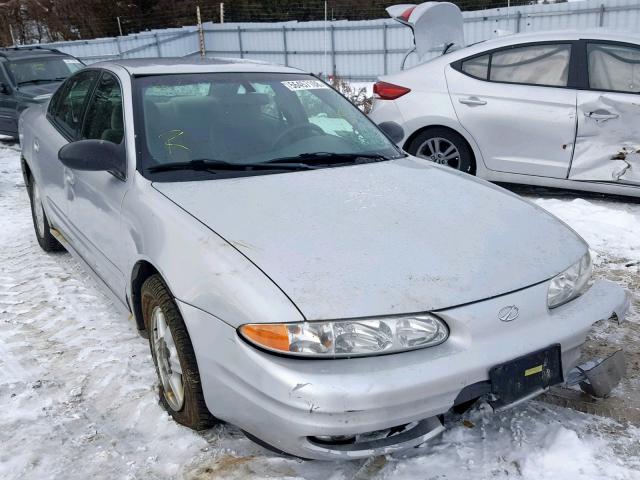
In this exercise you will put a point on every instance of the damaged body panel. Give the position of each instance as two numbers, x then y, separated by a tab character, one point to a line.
608	142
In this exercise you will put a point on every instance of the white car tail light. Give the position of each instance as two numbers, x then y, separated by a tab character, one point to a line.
389	91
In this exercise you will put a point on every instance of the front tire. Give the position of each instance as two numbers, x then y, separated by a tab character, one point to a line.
443	146
180	388
40	221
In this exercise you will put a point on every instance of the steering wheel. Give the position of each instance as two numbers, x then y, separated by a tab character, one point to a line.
295	128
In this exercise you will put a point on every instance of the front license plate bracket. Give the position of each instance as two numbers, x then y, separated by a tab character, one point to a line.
526	376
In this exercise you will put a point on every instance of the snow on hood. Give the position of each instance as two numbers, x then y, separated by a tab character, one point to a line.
386	238
435	25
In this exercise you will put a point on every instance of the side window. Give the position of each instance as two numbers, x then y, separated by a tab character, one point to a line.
104	120
67	112
544	65
477	67
614	67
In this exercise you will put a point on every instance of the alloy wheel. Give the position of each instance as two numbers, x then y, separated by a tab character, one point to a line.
166	353
441	151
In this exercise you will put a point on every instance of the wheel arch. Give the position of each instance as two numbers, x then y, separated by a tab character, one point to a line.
26	171
141	271
472	148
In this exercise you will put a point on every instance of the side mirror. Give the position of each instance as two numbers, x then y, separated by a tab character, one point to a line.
394	132
95	156
4	89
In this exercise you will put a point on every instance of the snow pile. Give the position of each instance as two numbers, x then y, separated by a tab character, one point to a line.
612	229
565	455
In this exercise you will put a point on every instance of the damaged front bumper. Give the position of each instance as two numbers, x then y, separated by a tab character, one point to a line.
599	377
392	402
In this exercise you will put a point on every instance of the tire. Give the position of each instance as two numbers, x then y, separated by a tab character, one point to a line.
168	338
41	226
460	158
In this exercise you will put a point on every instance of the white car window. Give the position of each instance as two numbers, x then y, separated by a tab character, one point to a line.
614	67
546	65
477	67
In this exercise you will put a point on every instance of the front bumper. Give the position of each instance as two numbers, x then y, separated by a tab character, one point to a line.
285	401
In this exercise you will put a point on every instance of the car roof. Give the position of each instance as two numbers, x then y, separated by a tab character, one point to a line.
20	53
172	65
551	35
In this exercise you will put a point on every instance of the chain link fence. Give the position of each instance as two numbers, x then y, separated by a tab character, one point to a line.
351	49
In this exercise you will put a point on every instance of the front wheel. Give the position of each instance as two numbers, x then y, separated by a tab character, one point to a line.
444	147
180	388
40	221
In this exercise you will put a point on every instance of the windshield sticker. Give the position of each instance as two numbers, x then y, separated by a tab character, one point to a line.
295	85
71	61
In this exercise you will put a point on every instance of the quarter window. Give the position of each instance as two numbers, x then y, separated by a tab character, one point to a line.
543	64
477	67
614	67
104	119
68	111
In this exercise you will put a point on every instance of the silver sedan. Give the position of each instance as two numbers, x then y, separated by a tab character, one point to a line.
295	272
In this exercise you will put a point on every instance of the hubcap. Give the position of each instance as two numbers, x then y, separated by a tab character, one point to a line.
166	353
440	150
37	210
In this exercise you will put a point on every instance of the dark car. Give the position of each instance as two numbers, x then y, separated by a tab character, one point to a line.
27	76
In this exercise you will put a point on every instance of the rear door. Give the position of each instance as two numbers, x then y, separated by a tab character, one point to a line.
608	141
519	104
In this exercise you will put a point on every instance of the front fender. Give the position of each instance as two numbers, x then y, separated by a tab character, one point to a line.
199	267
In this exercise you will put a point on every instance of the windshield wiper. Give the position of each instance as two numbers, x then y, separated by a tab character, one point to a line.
212	165
328	158
42	80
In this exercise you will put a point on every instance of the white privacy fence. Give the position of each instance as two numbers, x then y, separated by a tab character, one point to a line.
357	50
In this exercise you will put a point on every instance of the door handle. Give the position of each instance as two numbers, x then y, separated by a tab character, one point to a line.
472	101
36	146
601	115
69	177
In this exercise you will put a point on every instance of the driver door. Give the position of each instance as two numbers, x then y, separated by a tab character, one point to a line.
95	198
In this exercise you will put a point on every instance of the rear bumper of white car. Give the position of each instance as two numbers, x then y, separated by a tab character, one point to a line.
284	401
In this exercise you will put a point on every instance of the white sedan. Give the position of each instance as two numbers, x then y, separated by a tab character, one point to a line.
558	109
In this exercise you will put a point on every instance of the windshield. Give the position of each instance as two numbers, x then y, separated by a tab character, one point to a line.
248	118
43	70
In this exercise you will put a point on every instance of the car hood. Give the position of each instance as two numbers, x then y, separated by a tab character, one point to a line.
39	89
386	238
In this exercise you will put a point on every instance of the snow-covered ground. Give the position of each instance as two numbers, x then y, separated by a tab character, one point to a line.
78	391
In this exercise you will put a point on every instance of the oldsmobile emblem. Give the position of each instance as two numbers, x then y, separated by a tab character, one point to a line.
508	313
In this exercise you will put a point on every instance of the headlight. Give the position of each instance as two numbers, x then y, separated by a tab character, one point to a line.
571	283
348	338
